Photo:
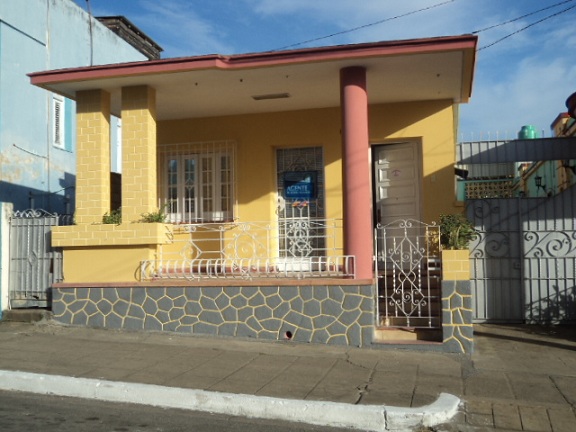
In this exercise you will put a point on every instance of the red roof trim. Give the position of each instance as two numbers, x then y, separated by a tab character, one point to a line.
263	59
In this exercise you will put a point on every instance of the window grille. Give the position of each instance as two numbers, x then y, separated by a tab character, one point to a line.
197	181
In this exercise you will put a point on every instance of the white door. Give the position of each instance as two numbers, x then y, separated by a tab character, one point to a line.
397	182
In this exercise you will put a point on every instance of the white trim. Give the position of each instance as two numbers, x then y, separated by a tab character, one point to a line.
58	122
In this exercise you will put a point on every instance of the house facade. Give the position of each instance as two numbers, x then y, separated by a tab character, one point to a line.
252	184
38	127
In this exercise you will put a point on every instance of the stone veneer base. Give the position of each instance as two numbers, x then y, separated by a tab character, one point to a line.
457	314
327	314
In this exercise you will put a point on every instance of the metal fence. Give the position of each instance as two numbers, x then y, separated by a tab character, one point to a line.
524	259
34	264
290	248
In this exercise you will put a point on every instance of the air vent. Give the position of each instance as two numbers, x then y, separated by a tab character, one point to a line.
271	96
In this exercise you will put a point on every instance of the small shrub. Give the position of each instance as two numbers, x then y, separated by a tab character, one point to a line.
153	217
112	218
456	232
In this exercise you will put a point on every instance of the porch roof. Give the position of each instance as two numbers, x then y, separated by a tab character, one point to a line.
216	85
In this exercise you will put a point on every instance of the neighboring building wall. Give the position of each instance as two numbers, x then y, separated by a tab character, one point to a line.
40	35
565	126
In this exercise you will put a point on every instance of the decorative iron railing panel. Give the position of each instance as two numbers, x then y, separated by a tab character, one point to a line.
408	274
253	250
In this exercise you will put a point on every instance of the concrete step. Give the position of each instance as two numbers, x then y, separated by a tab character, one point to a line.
407	334
26	315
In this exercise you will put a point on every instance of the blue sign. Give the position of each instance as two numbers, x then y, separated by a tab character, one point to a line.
300	185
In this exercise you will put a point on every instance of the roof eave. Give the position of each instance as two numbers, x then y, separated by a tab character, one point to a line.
467	43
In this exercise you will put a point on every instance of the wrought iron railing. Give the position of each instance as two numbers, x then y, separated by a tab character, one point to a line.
408	274
290	248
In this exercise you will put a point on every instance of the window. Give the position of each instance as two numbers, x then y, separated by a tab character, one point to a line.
197	183
58	125
62	122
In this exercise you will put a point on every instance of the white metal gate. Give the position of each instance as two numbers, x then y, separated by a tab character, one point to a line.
34	264
524	259
408	274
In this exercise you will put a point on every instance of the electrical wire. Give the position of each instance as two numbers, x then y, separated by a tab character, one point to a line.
366	25
523	16
526	27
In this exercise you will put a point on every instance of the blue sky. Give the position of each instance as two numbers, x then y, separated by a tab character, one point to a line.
524	79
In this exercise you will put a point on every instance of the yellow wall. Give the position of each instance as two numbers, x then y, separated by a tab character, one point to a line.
432	124
257	137
105	264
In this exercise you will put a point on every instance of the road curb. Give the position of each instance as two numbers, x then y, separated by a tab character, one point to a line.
375	418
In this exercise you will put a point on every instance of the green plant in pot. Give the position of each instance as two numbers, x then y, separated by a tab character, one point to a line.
456	232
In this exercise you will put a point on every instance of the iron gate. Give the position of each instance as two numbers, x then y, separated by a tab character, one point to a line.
408	274
523	262
34	264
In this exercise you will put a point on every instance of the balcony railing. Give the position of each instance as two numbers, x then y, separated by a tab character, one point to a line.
289	248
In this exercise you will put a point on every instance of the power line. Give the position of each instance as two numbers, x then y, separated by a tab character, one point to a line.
367	25
523	16
526	27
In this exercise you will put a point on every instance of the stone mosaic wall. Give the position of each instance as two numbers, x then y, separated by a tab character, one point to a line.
326	314
457	329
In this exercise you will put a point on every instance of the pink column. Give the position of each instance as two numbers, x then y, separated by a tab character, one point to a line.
358	236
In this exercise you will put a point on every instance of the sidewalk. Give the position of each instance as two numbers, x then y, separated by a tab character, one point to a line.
519	378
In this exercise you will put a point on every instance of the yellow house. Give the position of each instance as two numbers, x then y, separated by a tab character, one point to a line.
251	184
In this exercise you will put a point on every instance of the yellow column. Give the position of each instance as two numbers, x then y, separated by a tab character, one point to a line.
93	156
139	193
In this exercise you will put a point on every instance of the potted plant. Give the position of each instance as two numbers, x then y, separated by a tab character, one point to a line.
456	233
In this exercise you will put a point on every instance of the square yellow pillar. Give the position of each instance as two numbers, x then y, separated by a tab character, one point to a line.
456	265
139	188
93	156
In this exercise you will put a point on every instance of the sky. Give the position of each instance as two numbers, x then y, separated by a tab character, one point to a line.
525	69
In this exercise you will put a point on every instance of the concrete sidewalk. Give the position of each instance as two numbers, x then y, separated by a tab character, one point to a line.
519	378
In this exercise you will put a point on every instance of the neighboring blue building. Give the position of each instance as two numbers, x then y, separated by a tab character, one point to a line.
37	128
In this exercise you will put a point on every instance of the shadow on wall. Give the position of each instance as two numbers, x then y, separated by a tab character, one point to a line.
60	201
559	307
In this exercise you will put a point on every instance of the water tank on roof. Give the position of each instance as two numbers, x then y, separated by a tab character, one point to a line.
527	132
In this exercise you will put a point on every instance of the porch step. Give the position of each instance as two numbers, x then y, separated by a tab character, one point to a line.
26	315
407	335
